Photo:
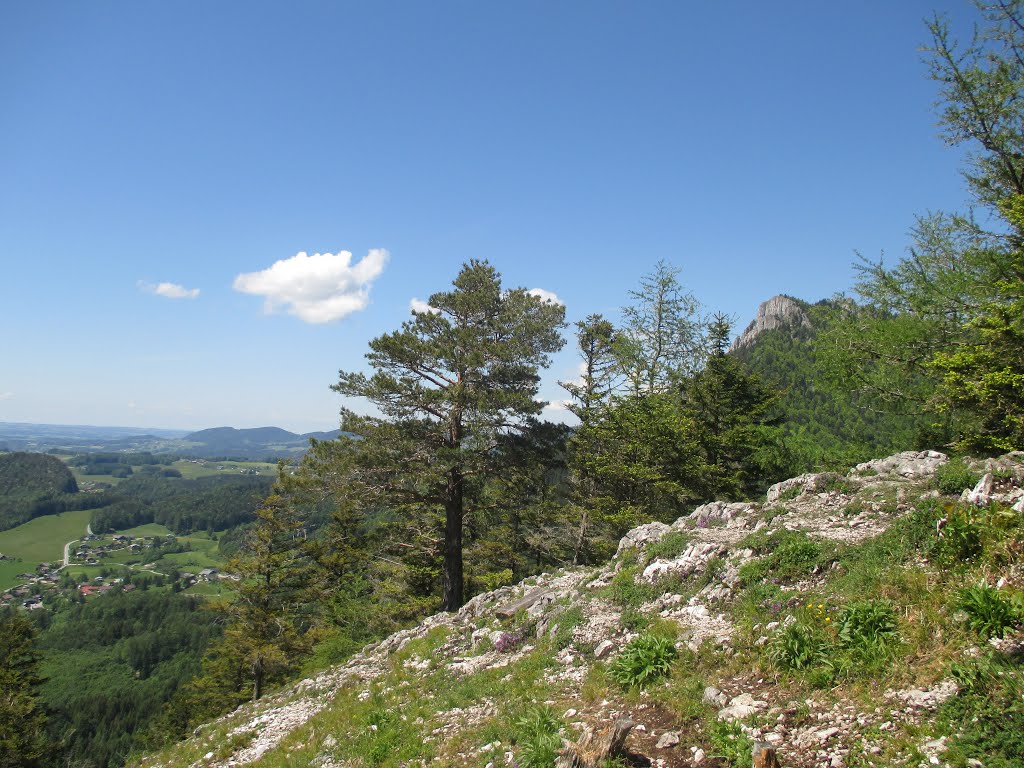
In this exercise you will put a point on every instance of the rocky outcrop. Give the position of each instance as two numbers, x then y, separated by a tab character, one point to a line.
695	589
778	312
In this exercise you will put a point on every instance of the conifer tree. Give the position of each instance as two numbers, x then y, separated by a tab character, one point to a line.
945	324
449	385
265	628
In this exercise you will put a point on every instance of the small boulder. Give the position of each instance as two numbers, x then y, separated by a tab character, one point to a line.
668	739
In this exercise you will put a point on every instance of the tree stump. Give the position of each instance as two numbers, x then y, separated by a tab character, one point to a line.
764	755
592	750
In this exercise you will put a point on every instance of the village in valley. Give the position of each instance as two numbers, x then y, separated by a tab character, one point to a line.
97	565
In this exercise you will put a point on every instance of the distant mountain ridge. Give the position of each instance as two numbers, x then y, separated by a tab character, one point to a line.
253	443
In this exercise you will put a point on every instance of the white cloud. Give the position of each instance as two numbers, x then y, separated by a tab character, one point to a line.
170	290
421	307
558	405
318	288
548	296
6	395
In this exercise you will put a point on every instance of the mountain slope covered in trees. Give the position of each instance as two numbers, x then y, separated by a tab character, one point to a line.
33	484
824	424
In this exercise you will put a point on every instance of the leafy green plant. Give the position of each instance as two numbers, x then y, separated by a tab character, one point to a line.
729	743
835	483
958	538
567	622
867	626
785	556
626	591
989	612
798	646
954	476
645	659
537	738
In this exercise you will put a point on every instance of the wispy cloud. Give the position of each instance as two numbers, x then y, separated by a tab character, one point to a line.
421	307
6	395
169	290
318	288
548	296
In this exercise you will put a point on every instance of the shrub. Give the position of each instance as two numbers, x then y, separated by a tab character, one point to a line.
567	622
786	556
986	718
626	591
670	545
989	612
537	738
644	660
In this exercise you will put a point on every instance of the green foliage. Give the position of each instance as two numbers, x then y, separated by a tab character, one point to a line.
22	737
626	591
954	477
671	545
985	721
112	663
943	326
958	538
989	611
823	426
867	626
567	621
35	484
798	646
207	503
537	737
645	659
729	743
785	556
449	385
266	625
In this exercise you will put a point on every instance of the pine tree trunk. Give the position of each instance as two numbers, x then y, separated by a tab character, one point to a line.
453	594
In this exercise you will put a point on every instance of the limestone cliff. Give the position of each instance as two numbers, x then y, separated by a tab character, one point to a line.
777	312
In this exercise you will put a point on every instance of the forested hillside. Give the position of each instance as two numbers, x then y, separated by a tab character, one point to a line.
111	664
201	504
33	484
824	424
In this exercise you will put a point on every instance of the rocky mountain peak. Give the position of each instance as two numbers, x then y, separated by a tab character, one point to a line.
778	312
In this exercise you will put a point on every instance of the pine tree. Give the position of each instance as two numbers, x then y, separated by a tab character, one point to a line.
733	413
450	384
265	629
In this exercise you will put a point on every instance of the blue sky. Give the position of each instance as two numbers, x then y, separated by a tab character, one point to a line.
158	159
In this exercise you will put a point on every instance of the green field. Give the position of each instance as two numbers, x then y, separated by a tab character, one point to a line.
39	541
149	529
189	469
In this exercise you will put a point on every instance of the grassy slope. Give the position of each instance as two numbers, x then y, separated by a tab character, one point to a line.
38	541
